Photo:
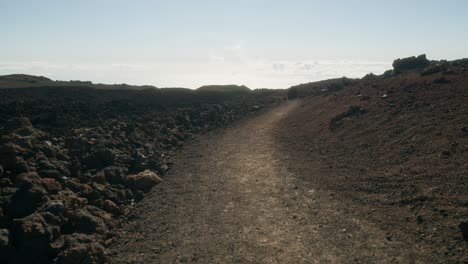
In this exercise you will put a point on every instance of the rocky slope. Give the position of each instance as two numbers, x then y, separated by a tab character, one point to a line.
392	149
74	159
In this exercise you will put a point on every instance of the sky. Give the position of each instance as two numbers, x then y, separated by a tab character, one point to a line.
258	43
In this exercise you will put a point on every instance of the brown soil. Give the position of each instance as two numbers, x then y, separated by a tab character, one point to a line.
398	161
230	199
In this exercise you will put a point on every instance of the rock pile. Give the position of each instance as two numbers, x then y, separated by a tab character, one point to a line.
61	194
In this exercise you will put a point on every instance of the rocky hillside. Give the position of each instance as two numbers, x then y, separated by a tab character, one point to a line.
75	159
394	149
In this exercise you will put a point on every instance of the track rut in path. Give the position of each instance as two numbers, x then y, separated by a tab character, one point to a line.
229	199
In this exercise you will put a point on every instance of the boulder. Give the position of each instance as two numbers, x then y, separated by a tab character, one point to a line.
82	249
50	165
51	185
70	200
27	180
82	221
110	207
54	207
99	178
99	159
54	174
26	201
9	153
115	175
410	63
33	238
143	181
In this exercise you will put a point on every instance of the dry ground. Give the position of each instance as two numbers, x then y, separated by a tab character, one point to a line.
234	197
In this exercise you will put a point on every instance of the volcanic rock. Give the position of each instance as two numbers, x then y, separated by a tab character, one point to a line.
33	237
82	249
405	64
143	181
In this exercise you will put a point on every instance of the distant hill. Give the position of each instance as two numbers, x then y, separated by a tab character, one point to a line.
29	81
224	88
23	80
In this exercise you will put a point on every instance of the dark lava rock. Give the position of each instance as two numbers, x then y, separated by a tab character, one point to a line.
439	67
410	63
54	207
110	207
54	174
33	238
29	196
143	181
99	159
82	249
51	185
26	201
84	222
5	245
15	124
115	175
10	156
25	181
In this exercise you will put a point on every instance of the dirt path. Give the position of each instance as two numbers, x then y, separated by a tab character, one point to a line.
228	199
